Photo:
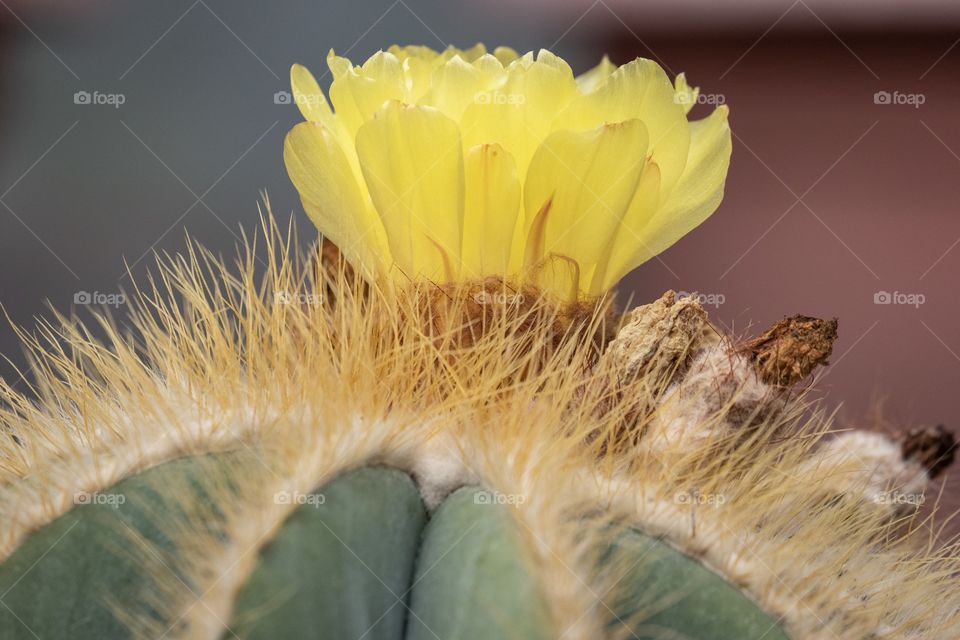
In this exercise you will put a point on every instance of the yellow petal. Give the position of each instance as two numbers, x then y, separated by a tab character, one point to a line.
473	52
491	206
382	66
456	84
638	89
360	92
314	108
505	55
413	51
412	161
517	114
596	76
308	95
629	236
416	76
453	86
555	62
578	189
332	198
489	66
338	65
686	96
693	199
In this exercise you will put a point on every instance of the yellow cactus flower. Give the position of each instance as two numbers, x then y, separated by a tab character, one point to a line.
466	164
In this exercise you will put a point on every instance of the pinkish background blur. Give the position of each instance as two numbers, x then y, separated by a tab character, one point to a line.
843	191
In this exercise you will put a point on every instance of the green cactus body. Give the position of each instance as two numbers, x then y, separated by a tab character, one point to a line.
358	558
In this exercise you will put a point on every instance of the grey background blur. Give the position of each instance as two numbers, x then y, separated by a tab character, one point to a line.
835	194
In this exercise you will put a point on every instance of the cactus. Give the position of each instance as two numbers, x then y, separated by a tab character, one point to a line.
321	480
318	447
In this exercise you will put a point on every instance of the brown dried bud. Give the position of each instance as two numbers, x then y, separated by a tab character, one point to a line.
934	448
792	348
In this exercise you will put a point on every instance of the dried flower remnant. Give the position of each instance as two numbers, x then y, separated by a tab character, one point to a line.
792	348
934	448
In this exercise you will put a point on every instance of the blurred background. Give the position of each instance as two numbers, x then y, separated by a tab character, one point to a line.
125	123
